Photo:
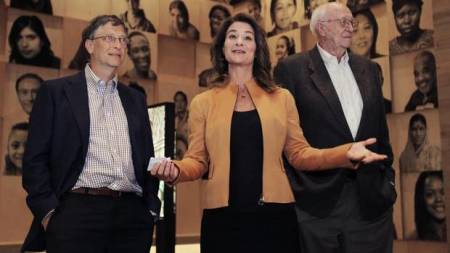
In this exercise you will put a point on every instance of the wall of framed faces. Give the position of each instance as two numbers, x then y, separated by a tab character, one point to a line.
168	59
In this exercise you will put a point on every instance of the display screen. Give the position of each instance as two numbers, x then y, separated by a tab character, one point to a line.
162	125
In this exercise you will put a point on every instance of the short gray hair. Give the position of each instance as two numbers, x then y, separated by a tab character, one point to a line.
321	12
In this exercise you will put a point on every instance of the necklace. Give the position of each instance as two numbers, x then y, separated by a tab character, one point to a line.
243	93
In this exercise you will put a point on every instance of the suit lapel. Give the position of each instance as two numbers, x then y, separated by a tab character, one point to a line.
323	83
76	92
130	108
359	71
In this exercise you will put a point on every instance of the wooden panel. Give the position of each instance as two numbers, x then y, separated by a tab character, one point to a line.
86	9
176	56
72	29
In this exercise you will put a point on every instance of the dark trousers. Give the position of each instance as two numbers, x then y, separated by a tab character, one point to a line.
266	229
343	231
100	224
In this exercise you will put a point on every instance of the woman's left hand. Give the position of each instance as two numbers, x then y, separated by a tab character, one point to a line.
358	153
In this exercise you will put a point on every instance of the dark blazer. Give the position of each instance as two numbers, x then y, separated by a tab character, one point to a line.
58	142
324	126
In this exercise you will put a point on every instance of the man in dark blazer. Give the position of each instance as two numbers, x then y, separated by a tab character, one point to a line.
339	99
86	157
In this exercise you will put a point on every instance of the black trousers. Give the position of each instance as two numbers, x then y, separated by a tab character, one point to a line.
100	224
343	231
266	229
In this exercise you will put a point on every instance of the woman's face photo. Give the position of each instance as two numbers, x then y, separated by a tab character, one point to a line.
180	104
29	43
216	20
424	75
362	40
418	133
240	46
407	19
281	48
284	12
434	197
16	146
178	20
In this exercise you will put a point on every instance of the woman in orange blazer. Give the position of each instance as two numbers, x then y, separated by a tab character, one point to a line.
238	132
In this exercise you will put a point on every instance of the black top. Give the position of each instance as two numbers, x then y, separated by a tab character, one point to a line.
246	150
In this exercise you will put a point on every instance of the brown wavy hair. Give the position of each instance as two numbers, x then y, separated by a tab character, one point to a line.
261	63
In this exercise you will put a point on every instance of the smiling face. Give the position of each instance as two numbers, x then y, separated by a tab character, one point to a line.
29	43
26	93
424	74
140	53
434	197
16	146
362	37
284	11
407	20
104	54
240	46
281	48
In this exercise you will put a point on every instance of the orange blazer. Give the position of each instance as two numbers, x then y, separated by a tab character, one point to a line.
209	124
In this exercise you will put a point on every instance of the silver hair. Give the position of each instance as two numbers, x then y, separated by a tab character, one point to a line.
321	12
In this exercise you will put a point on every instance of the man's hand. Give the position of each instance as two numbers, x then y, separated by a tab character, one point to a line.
359	153
165	170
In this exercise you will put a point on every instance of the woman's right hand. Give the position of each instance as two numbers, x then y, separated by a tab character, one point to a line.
165	170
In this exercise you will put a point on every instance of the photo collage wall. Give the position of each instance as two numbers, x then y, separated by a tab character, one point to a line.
168	60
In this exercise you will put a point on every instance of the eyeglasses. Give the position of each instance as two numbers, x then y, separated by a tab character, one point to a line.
344	22
112	39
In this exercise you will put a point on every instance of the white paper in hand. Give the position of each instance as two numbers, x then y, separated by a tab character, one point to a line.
155	160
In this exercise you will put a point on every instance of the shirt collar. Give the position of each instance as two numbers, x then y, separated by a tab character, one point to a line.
97	83
331	59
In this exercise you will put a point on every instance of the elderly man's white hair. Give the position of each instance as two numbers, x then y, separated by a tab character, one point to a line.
321	13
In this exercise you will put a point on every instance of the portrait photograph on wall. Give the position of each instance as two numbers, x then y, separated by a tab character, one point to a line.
413	24
31	39
142	57
415	81
253	8
140	15
22	84
180	19
417	146
283	45
212	15
366	40
284	16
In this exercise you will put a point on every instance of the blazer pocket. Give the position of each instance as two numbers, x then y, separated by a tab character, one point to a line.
210	173
282	164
